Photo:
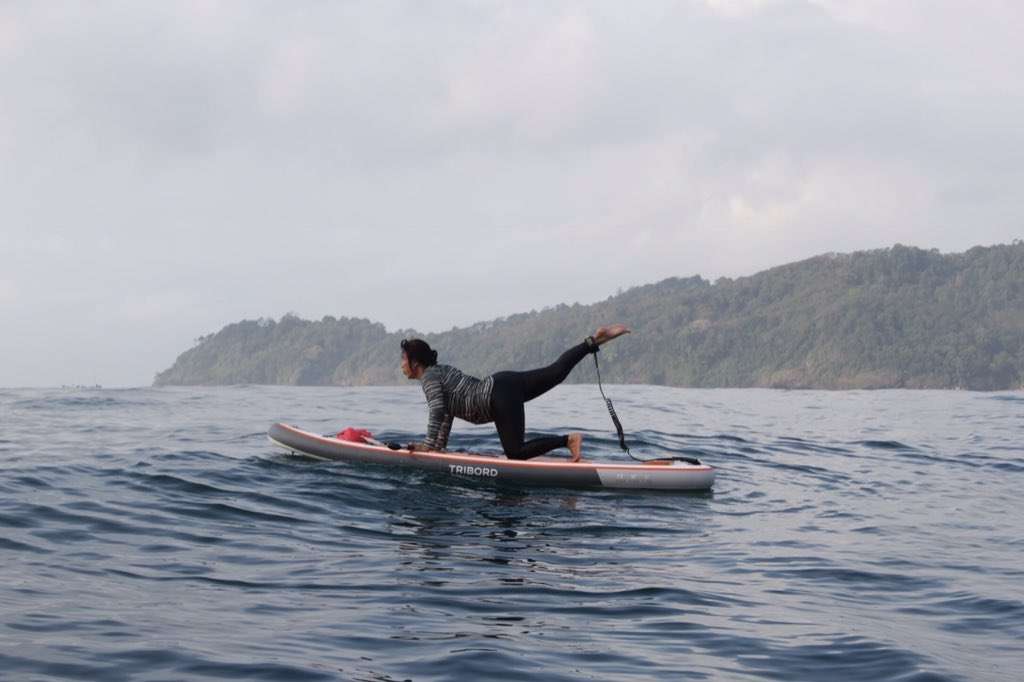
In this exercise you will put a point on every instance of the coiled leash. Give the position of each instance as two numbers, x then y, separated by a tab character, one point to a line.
618	424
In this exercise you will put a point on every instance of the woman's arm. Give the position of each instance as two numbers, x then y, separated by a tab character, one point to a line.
439	422
441	441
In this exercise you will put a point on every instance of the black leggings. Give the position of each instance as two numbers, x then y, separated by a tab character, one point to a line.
513	389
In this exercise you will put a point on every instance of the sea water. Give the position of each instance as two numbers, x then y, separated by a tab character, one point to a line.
155	534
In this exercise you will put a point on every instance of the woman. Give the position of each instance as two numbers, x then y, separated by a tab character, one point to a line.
499	398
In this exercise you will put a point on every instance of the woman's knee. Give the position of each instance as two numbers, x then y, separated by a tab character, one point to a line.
515	452
511	443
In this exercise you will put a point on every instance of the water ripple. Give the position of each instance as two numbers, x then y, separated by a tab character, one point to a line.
154	534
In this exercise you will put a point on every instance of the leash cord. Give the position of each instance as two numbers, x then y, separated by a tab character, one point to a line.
618	425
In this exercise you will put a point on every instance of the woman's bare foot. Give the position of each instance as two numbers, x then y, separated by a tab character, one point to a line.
576	446
605	334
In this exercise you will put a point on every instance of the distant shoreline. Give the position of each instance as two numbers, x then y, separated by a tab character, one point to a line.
896	318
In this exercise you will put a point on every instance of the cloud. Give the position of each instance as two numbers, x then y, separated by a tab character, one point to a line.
172	168
11	36
8	292
286	84
526	72
738	8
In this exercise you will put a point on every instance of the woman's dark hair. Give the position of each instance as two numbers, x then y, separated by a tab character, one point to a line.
418	351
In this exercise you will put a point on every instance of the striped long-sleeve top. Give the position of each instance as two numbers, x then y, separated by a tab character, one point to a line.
450	394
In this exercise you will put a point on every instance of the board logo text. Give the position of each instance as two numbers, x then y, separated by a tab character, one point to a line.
472	471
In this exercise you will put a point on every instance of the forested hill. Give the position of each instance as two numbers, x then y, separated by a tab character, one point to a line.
898	317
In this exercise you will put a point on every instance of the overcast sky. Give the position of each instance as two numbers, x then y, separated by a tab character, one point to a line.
169	168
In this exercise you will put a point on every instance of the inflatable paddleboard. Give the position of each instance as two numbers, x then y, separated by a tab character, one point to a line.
540	471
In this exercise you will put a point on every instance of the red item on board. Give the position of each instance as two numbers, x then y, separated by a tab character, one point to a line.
354	435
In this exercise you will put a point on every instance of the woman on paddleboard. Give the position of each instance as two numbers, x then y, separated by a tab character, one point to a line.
499	398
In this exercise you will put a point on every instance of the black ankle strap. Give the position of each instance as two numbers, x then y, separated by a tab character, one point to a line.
592	346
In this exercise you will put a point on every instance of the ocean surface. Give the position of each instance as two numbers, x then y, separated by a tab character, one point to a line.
155	534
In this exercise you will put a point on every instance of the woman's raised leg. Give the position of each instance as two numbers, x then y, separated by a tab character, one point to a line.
537	382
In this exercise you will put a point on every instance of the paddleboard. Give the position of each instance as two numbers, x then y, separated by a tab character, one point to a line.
539	471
